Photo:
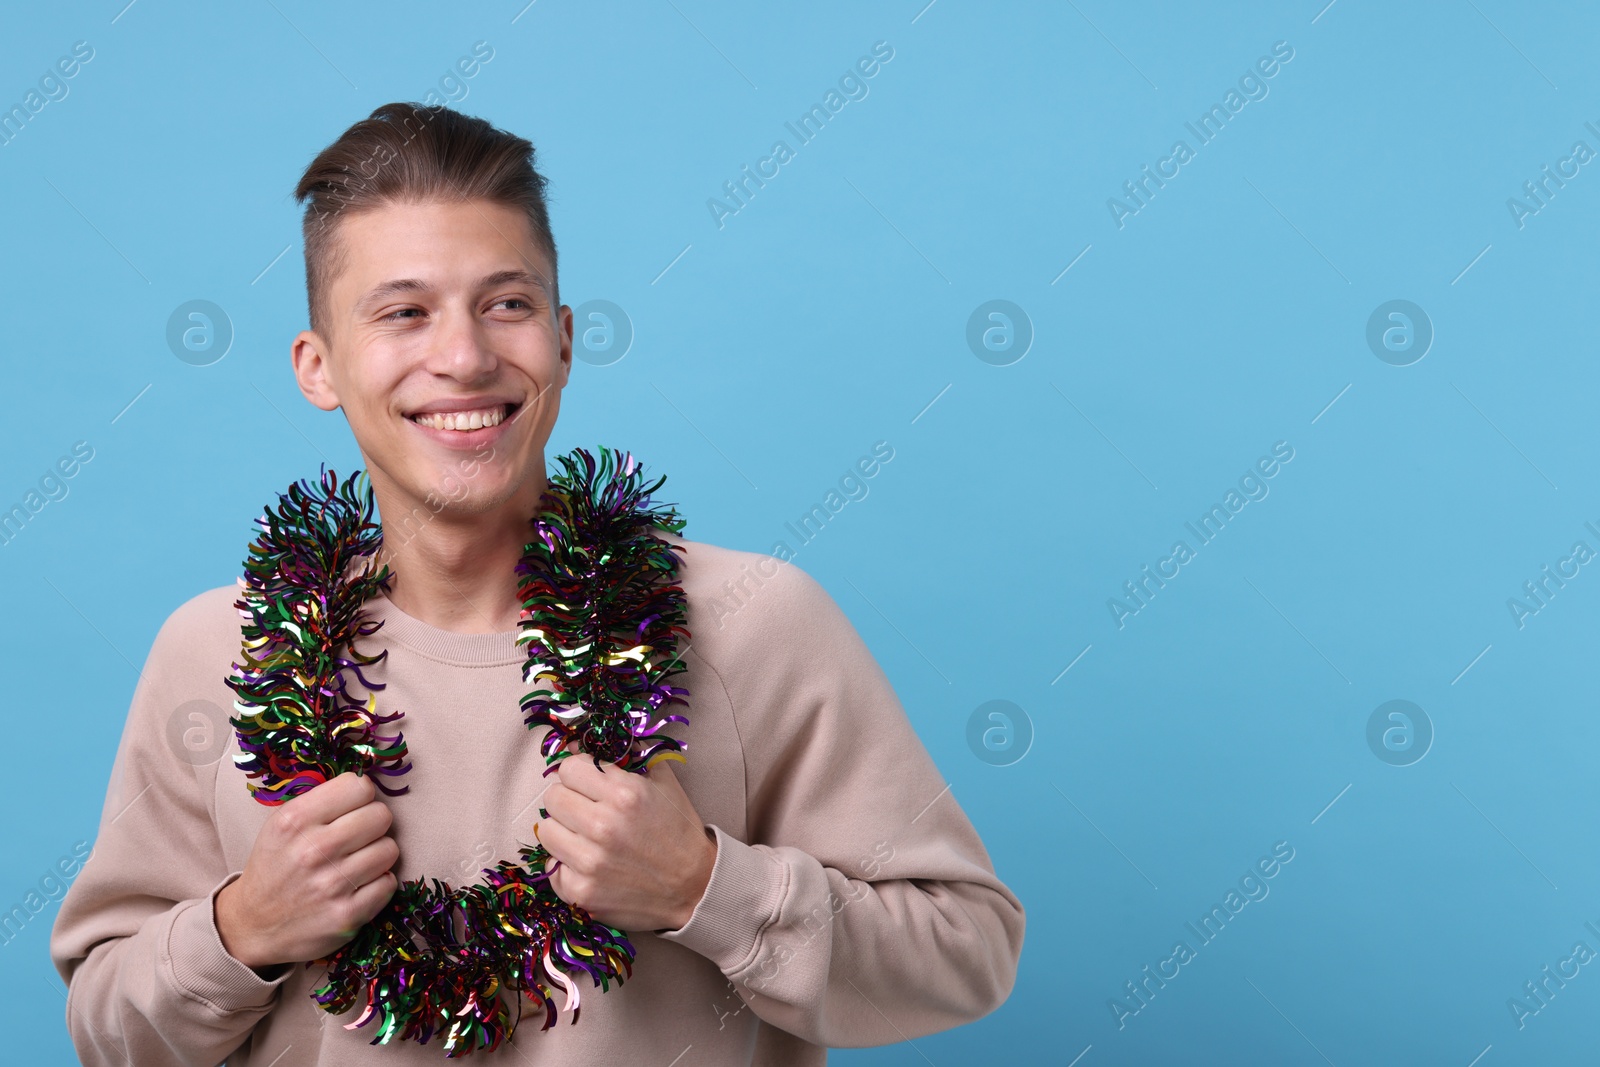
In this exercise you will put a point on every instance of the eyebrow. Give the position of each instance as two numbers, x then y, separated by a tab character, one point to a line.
384	290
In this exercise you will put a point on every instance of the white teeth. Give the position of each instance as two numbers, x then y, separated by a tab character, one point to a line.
462	420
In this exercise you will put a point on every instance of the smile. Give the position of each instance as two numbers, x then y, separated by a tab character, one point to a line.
465	420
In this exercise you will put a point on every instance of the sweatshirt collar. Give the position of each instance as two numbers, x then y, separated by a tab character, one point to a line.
447	646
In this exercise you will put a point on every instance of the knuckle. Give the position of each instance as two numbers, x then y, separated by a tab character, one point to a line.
290	820
349	915
579	887
323	886
593	862
301	855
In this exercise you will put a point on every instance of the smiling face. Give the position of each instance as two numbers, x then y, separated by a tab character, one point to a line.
446	349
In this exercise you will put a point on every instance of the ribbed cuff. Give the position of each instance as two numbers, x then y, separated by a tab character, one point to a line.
200	966
741	900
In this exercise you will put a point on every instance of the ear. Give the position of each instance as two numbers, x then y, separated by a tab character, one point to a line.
564	330
309	354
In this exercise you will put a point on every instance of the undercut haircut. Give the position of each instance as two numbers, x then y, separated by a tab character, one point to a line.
411	153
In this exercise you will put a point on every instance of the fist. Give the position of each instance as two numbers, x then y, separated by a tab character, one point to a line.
319	869
628	848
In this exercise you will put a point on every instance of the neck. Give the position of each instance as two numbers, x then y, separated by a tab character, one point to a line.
456	571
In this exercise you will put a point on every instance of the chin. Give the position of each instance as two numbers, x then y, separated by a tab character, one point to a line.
450	477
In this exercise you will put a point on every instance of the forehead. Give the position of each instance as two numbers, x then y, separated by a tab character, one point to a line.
445	243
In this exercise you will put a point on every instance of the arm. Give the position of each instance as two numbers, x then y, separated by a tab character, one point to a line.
867	912
149	981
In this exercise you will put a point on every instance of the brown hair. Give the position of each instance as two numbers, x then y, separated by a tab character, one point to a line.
404	153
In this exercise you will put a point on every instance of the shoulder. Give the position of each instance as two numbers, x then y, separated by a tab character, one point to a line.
755	616
212	609
184	675
202	627
736	597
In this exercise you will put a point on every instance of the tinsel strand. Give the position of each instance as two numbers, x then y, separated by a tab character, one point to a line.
602	612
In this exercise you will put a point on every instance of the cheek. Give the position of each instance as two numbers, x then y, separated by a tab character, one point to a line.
371	383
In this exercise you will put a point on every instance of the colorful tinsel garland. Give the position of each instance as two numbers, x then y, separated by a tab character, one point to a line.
602	612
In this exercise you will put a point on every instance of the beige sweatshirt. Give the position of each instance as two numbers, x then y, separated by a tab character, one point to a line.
852	903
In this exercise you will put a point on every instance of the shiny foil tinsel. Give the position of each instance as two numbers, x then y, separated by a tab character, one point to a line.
602	613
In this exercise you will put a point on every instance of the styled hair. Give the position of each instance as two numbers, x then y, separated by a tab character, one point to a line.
408	153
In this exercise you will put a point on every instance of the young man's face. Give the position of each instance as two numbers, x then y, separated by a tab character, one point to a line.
445	348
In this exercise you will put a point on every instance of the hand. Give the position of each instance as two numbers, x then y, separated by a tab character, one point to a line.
319	869
634	853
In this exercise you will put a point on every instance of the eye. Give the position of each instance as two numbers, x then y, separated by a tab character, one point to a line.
394	316
513	300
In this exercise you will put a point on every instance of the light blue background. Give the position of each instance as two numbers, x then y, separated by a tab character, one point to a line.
826	315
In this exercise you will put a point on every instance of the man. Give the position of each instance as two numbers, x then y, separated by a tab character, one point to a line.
805	880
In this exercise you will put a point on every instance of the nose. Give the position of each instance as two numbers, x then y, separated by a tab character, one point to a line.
461	348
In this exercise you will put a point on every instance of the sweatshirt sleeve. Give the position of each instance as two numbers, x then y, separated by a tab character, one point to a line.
864	910
148	979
